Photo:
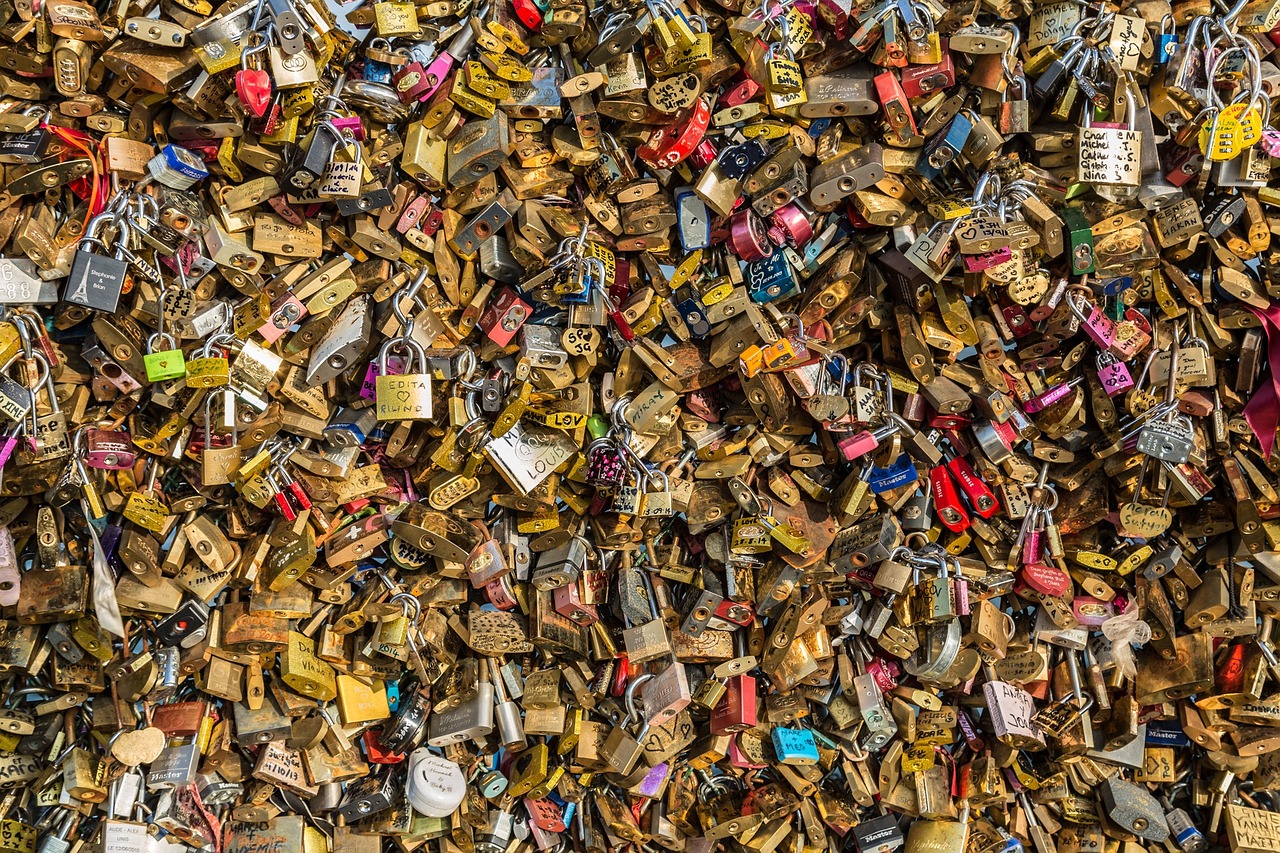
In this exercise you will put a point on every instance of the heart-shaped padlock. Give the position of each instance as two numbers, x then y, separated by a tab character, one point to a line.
253	85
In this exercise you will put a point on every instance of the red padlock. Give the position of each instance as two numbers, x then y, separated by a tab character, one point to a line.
946	500
374	751
980	496
528	13
504	316
897	110
737	709
920	80
253	85
668	146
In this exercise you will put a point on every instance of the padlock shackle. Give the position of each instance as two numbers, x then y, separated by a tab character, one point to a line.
416	354
629	701
227	399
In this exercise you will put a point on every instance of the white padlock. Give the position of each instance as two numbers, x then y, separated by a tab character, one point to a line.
435	785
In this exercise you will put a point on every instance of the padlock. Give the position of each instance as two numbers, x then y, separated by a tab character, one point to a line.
164	364
253	85
1109	156
95	281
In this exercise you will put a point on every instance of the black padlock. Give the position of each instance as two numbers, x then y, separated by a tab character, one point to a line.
95	280
907	279
374	198
185	626
738	160
29	147
368	796
879	835
310	160
1220	212
1048	82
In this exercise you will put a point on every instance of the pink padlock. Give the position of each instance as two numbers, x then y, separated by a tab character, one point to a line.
11	444
1113	374
412	213
739	93
1042	401
438	71
792	224
109	450
859	444
1270	142
287	312
960	596
1090	611
1031	548
990	260
1098	326
351	127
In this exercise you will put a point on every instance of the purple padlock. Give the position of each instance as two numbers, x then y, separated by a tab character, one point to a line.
368	388
654	781
1113	374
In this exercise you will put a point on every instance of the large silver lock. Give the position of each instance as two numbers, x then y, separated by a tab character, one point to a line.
1168	441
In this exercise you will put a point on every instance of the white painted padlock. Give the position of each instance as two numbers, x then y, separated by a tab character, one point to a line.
435	785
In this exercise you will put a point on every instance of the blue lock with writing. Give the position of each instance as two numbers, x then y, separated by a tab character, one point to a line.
795	746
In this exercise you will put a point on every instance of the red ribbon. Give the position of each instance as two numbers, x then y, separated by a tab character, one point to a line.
1262	412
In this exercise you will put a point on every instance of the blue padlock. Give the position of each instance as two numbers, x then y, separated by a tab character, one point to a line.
943	149
1117	285
350	427
377	72
899	473
1168	42
692	311
795	746
393	696
1164	733
770	278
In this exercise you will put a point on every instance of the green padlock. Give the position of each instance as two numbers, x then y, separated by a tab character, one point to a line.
164	364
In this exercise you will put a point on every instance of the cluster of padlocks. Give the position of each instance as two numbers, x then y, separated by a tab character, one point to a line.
581	426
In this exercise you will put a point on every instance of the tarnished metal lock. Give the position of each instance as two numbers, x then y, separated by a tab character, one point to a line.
1133	808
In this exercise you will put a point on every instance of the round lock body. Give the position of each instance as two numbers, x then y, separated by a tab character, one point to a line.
435	786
